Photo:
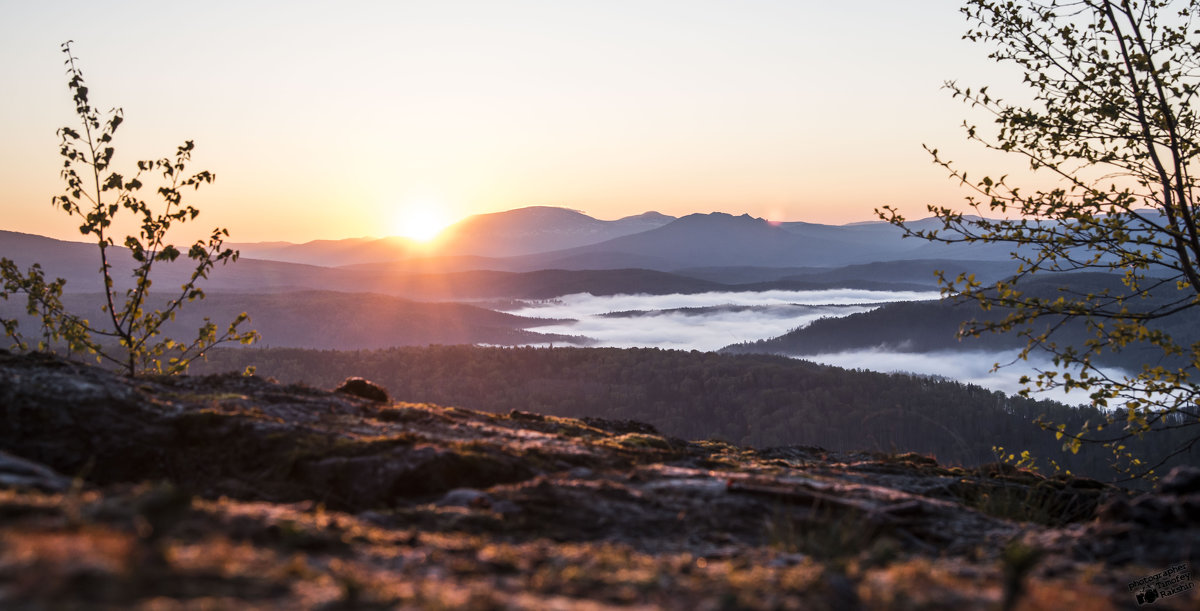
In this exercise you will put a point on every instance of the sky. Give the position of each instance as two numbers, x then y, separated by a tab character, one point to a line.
324	120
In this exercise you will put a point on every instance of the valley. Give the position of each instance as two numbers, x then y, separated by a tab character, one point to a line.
858	297
551	276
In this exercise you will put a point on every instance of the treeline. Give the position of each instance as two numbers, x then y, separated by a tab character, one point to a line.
757	400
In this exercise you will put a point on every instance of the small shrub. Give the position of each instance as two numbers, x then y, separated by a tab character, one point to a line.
97	196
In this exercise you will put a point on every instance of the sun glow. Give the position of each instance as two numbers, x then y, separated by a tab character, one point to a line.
421	222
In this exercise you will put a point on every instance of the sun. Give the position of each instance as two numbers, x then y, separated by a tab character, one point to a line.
421	222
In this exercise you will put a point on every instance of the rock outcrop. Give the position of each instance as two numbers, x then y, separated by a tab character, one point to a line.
232	491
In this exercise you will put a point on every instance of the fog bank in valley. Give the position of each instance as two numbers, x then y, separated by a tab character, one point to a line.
969	367
710	321
704	321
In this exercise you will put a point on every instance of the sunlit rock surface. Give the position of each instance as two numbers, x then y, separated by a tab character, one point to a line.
236	492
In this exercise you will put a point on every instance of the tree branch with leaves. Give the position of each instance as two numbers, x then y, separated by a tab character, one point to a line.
1111	119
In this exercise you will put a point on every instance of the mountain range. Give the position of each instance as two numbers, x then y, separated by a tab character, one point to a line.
541	237
398	290
718	247
524	231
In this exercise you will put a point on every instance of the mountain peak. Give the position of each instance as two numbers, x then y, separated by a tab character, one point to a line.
532	212
652	216
722	218
535	229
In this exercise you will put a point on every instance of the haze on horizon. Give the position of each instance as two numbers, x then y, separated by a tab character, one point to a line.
324	123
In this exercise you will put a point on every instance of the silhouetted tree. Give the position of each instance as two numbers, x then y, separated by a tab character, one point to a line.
1112	116
97	196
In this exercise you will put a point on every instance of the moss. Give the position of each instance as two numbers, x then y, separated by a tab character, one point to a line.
641	440
202	397
573	427
422	413
717	445
909	462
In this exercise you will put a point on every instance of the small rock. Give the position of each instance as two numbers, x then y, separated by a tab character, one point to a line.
465	497
361	387
1086	483
620	427
17	472
786	560
1187	509
517	414
1150	509
916	459
1115	509
506	508
377	518
1181	480
839	591
996	469
581	473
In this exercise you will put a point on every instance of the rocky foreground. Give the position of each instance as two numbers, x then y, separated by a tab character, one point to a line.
236	492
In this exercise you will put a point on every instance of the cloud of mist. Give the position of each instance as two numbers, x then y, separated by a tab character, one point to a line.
755	316
969	367
586	302
661	321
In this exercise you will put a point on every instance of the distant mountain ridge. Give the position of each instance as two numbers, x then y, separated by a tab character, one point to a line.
723	240
429	281
715	239
538	229
523	231
332	253
731	250
546	237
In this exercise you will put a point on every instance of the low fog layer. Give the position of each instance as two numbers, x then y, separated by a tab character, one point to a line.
974	367
677	322
665	323
591	304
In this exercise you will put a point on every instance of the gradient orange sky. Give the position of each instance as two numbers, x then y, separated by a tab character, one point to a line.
326	120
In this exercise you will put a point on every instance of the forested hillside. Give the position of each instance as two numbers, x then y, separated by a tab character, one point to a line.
758	400
317	319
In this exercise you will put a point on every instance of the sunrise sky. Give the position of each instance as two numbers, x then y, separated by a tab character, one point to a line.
326	120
